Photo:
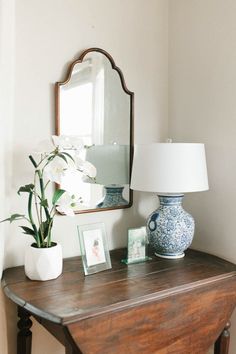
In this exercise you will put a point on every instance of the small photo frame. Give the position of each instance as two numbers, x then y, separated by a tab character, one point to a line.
137	245
94	248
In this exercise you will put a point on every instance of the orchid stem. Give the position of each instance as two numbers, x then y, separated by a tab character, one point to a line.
31	218
49	232
41	235
33	161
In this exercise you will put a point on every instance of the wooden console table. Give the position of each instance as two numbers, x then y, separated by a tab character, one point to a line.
161	306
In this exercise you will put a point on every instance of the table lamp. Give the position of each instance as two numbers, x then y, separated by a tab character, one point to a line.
112	164
170	170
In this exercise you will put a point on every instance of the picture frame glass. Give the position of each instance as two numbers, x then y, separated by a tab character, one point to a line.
94	248
137	245
93	243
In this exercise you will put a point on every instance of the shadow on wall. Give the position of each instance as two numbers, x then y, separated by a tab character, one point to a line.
8	320
130	218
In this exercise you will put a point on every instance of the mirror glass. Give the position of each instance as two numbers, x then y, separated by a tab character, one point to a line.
94	104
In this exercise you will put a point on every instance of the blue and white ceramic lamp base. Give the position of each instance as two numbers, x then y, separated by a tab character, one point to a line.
170	228
113	197
170	256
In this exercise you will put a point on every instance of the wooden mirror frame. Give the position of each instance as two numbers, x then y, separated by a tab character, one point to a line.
128	92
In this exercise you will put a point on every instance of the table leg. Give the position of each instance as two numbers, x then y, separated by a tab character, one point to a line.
71	350
222	343
24	337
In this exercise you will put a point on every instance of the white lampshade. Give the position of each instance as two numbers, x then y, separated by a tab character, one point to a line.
169	168
111	162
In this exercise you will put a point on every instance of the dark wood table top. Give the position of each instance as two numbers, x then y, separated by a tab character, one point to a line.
73	297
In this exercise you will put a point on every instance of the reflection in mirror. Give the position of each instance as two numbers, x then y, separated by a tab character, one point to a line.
94	104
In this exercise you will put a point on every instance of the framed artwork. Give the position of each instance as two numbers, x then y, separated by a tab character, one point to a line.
137	245
94	248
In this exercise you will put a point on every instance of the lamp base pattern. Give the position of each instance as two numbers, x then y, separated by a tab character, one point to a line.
113	197
170	228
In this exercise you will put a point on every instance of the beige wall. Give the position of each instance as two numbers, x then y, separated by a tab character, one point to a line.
47	36
202	108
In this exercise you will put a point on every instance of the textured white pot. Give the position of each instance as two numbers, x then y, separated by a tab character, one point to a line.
43	263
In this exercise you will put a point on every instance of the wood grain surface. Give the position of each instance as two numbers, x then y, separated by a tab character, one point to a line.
160	306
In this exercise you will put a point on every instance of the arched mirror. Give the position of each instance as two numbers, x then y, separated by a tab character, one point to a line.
94	103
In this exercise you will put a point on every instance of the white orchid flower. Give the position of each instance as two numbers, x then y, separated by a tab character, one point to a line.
67	203
44	146
55	170
76	142
78	161
61	141
64	142
89	169
85	167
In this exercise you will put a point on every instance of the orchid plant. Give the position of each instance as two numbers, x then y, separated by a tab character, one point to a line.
52	167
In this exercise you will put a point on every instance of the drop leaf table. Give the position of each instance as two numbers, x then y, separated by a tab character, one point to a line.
161	306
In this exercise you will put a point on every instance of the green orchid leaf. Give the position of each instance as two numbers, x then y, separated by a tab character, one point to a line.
14	217
28	188
44	203
28	231
62	157
68	155
45	228
57	194
50	158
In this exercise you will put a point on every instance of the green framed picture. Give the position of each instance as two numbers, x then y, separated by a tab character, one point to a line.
137	245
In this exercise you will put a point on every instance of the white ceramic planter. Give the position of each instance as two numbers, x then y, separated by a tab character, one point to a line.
43	263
